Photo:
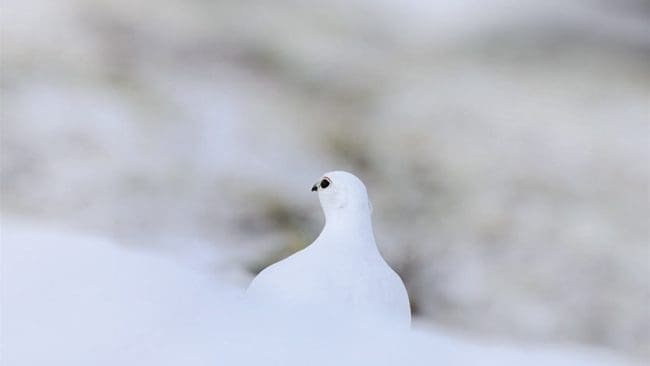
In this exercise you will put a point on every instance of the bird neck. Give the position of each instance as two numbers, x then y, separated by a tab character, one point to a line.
348	230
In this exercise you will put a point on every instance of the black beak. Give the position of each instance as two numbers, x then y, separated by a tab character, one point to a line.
314	188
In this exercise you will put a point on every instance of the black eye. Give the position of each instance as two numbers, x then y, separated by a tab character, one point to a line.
324	183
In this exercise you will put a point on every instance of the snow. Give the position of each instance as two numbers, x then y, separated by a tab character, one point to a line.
73	299
505	147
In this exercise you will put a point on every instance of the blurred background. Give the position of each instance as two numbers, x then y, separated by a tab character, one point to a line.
505	145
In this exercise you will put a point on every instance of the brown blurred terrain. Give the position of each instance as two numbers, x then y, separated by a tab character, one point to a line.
505	148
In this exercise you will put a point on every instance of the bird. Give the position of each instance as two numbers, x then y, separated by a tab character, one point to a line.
341	275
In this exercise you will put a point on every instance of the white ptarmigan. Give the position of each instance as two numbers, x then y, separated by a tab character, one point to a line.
341	274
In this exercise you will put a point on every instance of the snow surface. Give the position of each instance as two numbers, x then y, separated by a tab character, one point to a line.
70	299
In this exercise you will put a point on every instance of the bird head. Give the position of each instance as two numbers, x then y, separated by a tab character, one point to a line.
342	192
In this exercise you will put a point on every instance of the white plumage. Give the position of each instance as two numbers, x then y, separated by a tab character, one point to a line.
341	275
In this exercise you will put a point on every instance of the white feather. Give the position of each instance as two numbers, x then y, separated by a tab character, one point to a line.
341	275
